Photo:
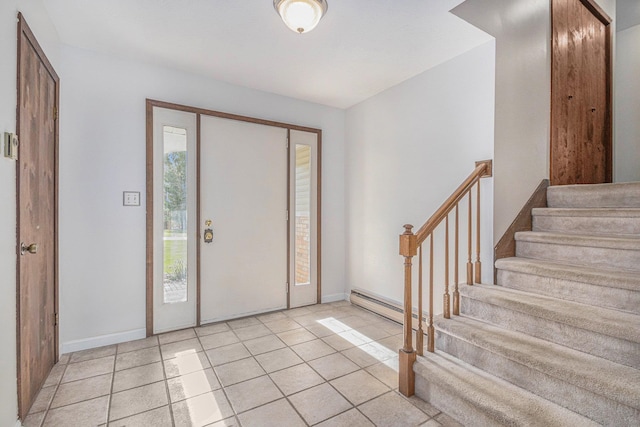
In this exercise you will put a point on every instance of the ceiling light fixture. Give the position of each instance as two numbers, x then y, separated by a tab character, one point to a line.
301	16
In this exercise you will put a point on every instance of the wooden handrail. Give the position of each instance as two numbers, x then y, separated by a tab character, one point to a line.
483	168
411	245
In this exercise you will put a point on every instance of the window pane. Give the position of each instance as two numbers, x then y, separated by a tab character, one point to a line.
302	215
175	214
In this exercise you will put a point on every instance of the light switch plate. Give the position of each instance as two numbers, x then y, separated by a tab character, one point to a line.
130	198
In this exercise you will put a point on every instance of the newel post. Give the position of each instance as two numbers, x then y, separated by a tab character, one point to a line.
408	249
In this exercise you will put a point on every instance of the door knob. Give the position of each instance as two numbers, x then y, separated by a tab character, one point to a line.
32	248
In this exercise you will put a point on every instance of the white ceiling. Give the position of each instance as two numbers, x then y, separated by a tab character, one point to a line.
360	48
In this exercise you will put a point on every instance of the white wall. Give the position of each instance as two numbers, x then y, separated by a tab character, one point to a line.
102	243
408	148
37	19
627	105
522	29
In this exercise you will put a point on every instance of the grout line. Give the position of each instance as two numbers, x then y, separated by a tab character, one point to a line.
166	383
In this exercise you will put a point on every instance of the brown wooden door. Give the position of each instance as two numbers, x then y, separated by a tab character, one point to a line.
580	94
36	177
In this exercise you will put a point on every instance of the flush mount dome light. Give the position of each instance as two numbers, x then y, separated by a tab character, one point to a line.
301	16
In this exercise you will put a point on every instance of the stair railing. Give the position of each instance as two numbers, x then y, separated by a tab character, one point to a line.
411	245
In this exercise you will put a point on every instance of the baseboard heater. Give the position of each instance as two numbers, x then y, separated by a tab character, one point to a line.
383	307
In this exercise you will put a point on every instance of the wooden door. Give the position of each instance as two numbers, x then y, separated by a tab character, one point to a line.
36	180
580	94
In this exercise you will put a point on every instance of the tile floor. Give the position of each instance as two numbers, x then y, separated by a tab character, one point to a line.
326	365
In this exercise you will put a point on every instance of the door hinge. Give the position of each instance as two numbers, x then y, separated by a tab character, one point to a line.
55	319
55	113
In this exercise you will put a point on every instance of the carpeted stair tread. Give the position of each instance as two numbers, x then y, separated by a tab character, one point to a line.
597	276
588	212
496	399
618	195
614	323
575	367
626	242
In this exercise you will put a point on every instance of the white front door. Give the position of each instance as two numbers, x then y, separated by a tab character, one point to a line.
174	219
243	193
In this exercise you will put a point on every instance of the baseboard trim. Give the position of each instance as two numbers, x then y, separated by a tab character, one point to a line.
334	298
102	340
384	307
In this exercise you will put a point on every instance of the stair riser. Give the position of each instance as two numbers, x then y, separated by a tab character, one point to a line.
608	347
580	255
452	404
586	225
587	403
620	299
593	196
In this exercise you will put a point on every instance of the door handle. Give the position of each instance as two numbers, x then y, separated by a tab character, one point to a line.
32	248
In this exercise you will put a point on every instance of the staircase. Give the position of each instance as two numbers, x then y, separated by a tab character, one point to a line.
557	341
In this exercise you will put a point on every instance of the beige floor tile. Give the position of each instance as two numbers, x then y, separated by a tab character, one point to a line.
229	422
296	312
251	332
333	366
235	372
202	410
296	336
296	378
360	356
33	420
159	417
181	335
218	340
186	364
354	337
319	331
351	418
213	328
282	325
333	324
355	321
80	390
55	375
309	319
90	368
359	387
431	423
446	421
278	359
373	332
337	342
243	323
43	400
180	348
137	344
138	376
393	342
319	307
253	393
313	349
94	353
264	344
392	328
319	403
193	384
385	373
391	409
276	414
64	358
425	407
270	317
226	354
135	358
88	413
380	352
137	400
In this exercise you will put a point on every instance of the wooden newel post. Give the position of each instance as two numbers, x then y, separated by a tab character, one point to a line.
408	249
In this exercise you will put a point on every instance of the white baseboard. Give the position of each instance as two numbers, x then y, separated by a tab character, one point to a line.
102	340
18	423
334	298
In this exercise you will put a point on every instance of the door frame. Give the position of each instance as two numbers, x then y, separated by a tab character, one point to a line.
150	104
23	30
599	13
